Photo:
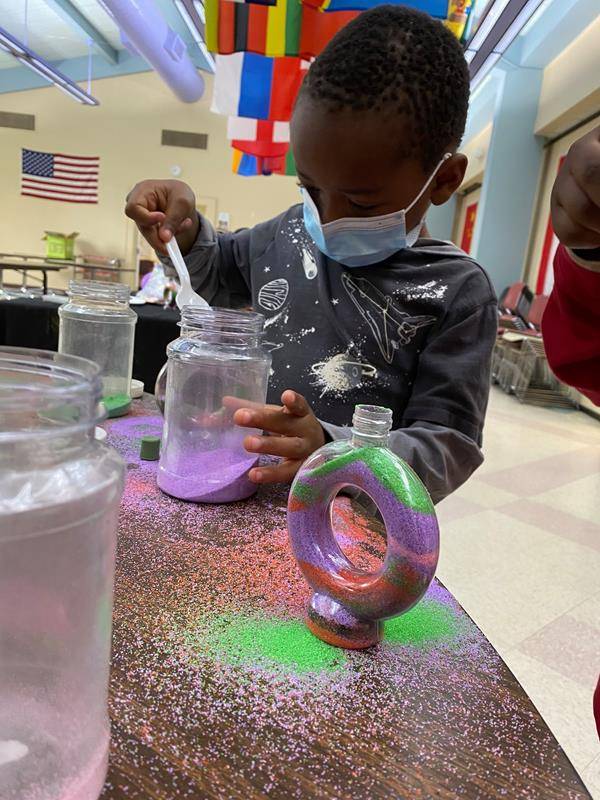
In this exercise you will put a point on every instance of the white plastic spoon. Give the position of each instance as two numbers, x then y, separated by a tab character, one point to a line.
186	296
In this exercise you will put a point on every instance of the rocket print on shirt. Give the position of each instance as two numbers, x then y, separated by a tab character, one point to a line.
391	327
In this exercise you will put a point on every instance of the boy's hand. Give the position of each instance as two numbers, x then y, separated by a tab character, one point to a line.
163	209
576	195
296	434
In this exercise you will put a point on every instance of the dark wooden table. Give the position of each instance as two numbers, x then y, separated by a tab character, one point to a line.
218	691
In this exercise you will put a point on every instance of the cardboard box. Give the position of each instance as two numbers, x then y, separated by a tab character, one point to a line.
60	245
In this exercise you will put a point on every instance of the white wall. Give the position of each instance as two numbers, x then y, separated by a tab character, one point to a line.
125	131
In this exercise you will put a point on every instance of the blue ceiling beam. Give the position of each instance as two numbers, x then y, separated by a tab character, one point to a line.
561	23
74	17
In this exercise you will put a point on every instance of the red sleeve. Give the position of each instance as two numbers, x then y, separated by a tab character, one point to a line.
571	325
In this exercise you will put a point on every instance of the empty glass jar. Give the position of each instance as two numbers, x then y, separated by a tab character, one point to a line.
215	367
98	323
59	498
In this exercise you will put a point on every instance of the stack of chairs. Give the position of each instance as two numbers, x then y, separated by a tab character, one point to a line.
519	363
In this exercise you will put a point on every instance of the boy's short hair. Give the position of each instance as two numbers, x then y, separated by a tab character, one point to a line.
398	60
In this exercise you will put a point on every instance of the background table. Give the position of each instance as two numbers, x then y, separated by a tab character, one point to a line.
20	266
34	323
219	691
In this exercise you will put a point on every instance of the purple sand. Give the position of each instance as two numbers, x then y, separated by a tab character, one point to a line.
214	476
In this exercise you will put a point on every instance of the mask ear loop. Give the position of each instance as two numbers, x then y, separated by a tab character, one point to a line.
428	183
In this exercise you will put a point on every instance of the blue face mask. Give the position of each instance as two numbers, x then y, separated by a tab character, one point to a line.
361	241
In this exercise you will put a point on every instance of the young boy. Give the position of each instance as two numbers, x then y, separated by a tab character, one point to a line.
359	307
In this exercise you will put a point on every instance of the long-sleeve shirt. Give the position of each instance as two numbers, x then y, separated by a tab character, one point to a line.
414	333
571	329
571	323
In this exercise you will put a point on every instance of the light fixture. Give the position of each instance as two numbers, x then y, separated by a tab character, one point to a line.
9	44
501	24
197	34
45	70
491	16
199	6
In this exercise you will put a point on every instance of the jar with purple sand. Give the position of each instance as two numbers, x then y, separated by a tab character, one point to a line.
348	604
98	323
59	499
217	365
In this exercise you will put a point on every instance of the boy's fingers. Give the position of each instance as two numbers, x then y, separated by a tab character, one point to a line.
150	234
142	215
270	418
235	403
177	212
281	473
295	403
285	446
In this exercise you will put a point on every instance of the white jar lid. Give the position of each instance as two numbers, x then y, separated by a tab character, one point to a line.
137	389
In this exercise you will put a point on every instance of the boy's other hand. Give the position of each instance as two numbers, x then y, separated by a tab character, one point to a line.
163	209
576	195
296	433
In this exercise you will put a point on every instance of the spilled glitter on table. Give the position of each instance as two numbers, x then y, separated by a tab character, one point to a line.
219	691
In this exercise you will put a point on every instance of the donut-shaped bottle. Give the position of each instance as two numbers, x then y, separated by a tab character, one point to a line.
348	604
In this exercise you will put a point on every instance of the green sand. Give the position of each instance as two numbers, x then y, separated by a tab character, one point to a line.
289	646
424	624
287	643
395	475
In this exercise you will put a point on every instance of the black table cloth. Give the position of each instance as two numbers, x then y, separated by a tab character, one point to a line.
34	323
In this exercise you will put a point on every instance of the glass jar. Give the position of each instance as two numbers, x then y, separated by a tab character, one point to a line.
59	498
348	604
215	367
98	323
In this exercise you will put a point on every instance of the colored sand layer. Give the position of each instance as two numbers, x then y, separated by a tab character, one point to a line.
215	476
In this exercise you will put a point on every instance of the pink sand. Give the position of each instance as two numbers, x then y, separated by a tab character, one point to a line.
215	476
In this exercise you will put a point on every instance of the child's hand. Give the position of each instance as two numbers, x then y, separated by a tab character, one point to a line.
576	195
296	434
163	209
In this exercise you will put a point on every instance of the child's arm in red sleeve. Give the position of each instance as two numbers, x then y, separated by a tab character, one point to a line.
571	324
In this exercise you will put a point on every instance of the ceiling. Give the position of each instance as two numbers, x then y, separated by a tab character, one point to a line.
49	34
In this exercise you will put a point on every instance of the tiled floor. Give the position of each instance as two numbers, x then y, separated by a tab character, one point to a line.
521	552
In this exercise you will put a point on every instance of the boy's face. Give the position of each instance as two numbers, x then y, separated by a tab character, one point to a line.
351	163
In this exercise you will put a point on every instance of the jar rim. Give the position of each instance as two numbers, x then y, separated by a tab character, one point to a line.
234	320
99	290
31	378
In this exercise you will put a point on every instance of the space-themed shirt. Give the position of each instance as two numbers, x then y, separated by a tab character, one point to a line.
414	333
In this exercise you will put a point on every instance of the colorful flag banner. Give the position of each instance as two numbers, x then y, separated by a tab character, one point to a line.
249	85
249	129
436	8
458	15
56	176
267	140
288	29
248	165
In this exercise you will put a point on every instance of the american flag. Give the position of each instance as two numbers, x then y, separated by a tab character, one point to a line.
56	176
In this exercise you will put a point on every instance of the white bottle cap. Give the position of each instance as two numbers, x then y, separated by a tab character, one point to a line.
137	389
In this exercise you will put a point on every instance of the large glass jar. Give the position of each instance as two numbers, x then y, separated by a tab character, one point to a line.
98	323
59	497
215	367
